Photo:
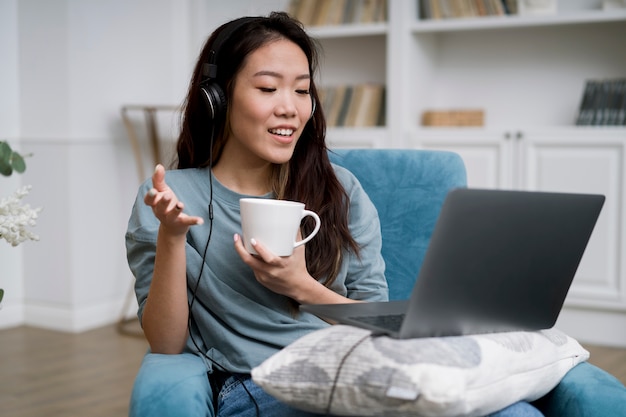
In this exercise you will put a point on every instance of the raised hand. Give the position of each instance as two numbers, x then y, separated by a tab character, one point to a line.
167	207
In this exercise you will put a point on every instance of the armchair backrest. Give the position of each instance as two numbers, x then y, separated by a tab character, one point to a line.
408	188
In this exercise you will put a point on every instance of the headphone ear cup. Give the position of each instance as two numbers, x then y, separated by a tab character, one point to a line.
214	99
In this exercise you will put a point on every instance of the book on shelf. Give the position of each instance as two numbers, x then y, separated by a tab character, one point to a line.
459	9
621	111
345	105
603	103
613	5
360	105
369	105
337	12
457	117
303	10
353	106
332	106
537	8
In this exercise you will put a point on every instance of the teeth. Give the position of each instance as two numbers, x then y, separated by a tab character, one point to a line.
281	132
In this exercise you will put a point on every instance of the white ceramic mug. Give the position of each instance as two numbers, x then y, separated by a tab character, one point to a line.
274	223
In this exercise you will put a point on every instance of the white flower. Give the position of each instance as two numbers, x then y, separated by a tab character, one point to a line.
15	217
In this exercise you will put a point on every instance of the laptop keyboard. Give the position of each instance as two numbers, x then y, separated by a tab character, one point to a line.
391	322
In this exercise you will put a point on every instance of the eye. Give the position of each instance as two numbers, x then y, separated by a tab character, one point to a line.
304	92
267	89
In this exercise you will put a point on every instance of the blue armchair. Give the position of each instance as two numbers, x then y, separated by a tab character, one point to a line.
425	177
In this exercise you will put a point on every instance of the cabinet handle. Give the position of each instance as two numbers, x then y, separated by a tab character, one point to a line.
519	135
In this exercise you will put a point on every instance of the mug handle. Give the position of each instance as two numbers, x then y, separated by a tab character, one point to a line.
314	232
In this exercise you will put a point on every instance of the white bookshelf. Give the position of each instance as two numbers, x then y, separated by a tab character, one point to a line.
528	74
524	71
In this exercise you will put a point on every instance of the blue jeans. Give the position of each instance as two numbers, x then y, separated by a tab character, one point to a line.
179	385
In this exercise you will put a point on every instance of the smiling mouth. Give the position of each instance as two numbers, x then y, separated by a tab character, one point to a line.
281	132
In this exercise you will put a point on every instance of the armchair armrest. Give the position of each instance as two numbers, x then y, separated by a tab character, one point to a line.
585	391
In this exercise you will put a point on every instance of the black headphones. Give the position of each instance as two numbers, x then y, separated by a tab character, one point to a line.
213	95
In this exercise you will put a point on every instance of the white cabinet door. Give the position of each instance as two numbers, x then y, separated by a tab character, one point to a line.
588	161
487	154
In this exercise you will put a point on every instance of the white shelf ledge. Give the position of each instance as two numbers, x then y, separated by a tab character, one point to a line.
348	30
505	22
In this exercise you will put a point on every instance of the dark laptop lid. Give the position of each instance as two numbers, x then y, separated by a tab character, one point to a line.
501	260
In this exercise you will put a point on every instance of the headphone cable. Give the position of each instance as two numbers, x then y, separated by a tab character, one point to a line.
339	368
197	284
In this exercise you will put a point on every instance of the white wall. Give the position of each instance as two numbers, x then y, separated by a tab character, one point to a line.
80	62
11	272
68	66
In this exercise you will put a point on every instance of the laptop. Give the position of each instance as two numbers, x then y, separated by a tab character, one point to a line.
497	261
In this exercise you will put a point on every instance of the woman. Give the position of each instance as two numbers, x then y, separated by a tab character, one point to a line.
210	310
267	141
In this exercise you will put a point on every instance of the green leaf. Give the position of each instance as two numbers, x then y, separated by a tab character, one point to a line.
17	162
5	150
5	167
10	160
5	158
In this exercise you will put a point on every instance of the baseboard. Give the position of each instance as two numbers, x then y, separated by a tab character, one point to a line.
72	319
11	315
594	327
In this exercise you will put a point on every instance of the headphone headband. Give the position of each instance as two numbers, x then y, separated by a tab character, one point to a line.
209	69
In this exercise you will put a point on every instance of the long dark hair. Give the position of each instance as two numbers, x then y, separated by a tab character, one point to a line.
308	177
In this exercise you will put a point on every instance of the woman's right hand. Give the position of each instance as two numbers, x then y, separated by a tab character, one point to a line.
166	206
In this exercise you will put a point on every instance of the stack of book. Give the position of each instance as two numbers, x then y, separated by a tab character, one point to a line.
603	103
361	105
457	9
453	118
338	12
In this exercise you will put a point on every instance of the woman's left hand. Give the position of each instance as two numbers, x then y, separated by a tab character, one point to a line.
286	275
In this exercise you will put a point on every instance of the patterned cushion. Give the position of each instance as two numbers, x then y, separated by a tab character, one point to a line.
343	370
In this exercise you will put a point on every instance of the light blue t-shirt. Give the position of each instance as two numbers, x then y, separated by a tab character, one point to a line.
238	322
